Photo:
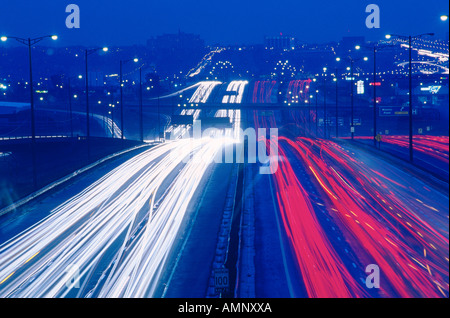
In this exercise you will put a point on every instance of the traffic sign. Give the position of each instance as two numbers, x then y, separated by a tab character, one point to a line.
221	280
357	121
394	111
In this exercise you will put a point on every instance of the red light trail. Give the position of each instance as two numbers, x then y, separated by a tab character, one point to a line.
383	218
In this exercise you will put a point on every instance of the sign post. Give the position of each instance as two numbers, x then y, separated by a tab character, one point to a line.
221	280
378	138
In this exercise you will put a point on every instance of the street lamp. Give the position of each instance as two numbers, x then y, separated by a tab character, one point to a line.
70	101
30	42
141	114
309	114
317	117
375	49
122	62
337	98
88	128
325	102
352	61
410	38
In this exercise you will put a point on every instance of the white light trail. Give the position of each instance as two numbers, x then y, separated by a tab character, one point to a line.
237	87
121	227
203	92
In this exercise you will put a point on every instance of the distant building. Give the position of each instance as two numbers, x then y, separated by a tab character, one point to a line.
279	42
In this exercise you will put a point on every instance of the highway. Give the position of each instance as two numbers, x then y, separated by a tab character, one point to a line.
116	235
330	210
122	226
342	209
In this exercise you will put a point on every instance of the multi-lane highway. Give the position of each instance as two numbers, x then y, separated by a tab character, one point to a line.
113	239
342	209
329	212
116	234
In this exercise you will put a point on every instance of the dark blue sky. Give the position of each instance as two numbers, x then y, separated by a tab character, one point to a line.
116	22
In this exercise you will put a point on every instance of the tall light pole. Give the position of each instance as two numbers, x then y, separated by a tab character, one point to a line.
325	127
30	42
335	80
122	62
309	114
375	49
374	86
88	126
410	38
141	115
159	121
352	92
317	117
111	112
70	102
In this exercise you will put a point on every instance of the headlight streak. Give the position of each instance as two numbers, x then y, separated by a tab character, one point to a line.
238	87
203	92
82	230
149	257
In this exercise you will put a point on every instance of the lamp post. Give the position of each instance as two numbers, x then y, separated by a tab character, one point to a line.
375	49
70	102
317	117
374	86
111	112
141	115
30	42
122	62
410	38
325	127
88	128
352	93
309	114
159	121
337	98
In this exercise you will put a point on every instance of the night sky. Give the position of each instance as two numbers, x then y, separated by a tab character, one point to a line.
118	22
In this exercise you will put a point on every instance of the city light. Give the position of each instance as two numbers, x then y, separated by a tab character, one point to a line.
143	206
